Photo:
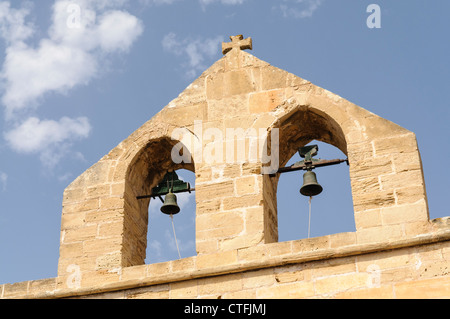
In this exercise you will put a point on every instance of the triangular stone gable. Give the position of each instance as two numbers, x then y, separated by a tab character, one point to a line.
104	226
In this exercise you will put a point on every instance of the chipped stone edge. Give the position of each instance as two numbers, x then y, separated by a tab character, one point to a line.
247	265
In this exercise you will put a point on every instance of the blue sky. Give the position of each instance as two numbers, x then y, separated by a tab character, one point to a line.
78	76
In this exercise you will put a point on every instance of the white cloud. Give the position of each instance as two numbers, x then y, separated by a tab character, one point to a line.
299	8
155	247
203	3
227	2
3	180
50	139
117	31
192	51
156	2
13	27
77	40
81	35
30	73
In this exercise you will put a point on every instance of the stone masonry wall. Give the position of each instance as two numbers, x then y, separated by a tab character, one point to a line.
333	266
104	227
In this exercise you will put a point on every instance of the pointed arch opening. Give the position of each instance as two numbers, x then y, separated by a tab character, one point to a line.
145	239
332	210
162	243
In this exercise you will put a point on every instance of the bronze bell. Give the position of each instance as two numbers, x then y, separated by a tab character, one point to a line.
170	206
310	185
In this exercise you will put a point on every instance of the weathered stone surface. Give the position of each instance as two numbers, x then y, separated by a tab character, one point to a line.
266	101
396	252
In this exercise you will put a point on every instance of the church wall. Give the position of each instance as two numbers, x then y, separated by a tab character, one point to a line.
333	266
395	252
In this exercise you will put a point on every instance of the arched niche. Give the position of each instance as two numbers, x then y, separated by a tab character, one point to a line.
331	210
161	245
298	126
387	186
145	171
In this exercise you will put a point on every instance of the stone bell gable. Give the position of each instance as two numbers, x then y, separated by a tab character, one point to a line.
243	99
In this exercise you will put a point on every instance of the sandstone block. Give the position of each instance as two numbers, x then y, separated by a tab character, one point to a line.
111	203
365	184
404	213
73	220
133	273
70	250
424	289
43	286
367	219
96	246
384	292
410	195
340	283
227	231
310	244
263	102
158	269
242	241
371	167
214	190
219	259
292	273
81	206
246	185
342	239
369	201
333	267
272	78
110	229
98	191
16	290
258	278
231	203
153	292
206	207
241	294
206	246
294	290
184	290
109	261
79	234
379	234
230	83
399	180
219	220
219	285
396	144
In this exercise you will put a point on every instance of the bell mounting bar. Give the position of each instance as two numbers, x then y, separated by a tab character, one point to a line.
165	193
309	162
302	165
170	182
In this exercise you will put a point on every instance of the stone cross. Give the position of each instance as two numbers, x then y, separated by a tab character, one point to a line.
237	42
